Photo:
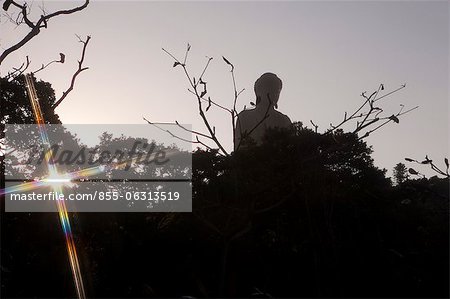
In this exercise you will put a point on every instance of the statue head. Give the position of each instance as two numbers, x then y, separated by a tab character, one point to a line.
268	88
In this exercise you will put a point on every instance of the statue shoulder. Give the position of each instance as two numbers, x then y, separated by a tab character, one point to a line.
246	113
284	118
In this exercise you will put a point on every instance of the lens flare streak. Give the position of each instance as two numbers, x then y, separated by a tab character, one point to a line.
53	173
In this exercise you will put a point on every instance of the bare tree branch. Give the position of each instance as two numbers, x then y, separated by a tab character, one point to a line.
23	13
316	126
212	102
36	27
204	144
75	75
234	113
204	69
387	120
200	97
197	141
433	166
191	131
167	131
389	93
61	60
366	119
19	71
246	134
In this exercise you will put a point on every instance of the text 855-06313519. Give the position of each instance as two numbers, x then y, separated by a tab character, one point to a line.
142	195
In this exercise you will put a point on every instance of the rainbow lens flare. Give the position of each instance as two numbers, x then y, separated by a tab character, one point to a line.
53	175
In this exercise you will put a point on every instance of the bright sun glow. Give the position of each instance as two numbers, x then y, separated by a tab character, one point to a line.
58	179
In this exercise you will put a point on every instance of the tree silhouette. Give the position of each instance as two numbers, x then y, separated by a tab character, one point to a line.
309	207
400	173
304	214
15	108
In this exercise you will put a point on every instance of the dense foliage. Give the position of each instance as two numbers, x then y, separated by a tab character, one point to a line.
15	105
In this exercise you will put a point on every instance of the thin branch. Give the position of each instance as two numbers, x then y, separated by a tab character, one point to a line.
12	20
168	53
167	131
192	131
387	120
20	70
75	75
198	141
212	102
435	168
204	144
186	54
234	112
432	165
316	126
266	115
24	13
199	97
371	102
374	111
61	60
388	94
204	69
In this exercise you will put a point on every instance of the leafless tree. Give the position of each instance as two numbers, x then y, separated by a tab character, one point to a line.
35	27
23	18
367	118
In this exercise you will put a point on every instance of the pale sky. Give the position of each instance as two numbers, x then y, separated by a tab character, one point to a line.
326	53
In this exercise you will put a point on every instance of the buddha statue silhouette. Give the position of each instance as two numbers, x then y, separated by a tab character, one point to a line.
253	123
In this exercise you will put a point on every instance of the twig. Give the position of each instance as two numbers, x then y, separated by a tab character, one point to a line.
198	141
191	131
24	13
433	166
75	75
204	70
316	126
61	60
167	131
17	72
234	113
212	102
186	54
366	119
387	120
388	94
171	55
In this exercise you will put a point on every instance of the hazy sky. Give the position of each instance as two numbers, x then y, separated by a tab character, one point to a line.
326	53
